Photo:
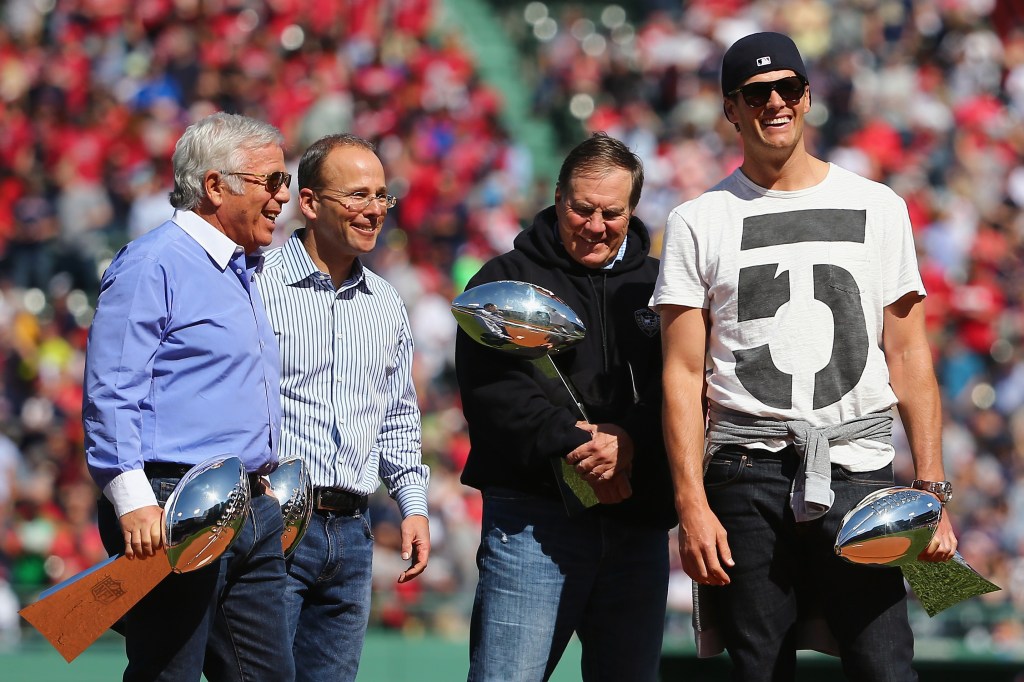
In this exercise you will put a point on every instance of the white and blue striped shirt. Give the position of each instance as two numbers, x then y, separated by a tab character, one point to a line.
347	396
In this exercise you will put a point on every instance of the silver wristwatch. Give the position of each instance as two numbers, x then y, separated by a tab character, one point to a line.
941	489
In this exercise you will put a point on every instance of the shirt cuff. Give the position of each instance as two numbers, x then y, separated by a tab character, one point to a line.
130	491
412	500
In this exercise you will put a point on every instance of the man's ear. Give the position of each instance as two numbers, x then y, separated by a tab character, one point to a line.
214	187
308	204
727	107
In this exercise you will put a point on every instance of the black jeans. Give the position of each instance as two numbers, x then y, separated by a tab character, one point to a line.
786	569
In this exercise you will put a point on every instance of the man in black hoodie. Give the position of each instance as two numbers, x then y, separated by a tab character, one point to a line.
602	572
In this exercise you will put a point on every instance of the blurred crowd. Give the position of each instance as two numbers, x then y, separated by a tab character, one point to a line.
926	96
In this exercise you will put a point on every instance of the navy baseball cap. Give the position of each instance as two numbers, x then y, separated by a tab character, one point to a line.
759	53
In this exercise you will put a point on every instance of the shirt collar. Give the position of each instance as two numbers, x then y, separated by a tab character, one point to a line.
220	247
298	266
620	255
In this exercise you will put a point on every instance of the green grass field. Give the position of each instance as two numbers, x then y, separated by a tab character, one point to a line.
392	657
387	657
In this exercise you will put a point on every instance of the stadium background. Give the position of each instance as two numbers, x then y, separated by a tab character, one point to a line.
473	103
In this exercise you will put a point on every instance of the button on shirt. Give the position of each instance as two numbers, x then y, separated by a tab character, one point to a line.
181	364
348	401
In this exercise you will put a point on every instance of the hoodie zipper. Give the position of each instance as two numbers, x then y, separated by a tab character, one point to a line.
602	313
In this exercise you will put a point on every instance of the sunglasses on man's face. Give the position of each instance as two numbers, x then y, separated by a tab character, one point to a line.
272	181
791	90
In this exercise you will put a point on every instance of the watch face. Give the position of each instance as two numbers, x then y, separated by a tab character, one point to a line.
944	490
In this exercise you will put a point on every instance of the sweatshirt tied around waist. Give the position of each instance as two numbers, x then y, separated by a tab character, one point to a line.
811	495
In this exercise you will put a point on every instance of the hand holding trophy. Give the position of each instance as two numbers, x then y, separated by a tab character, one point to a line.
890	527
202	517
530	322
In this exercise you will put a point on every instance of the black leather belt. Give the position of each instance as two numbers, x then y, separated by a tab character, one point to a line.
338	501
174	470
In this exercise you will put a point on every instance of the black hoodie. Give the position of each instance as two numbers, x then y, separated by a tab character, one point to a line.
519	419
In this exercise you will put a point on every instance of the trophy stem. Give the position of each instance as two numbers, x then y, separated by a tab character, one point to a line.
548	366
577	494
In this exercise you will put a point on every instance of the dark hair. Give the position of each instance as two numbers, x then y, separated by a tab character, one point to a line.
312	162
596	155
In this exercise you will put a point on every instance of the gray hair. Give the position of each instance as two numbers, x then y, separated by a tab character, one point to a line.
220	141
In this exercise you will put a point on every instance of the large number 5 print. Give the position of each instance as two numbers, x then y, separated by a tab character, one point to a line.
761	293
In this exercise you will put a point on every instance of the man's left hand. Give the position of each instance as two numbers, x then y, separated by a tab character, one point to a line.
415	546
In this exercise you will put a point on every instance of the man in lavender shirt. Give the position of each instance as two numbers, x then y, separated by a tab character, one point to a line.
182	366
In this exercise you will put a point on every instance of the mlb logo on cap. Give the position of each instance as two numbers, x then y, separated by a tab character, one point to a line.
764	61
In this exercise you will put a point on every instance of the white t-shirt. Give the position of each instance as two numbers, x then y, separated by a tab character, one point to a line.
795	283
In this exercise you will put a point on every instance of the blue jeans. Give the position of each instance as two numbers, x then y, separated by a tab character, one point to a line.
224	621
544	576
328	596
785	569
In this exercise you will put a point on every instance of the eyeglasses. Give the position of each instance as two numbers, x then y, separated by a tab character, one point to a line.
791	90
358	201
272	181
587	212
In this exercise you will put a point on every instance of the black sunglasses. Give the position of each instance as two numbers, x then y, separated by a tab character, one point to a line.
790	89
273	181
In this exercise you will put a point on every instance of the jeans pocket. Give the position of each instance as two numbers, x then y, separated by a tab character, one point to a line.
725	468
367	530
162	488
877	478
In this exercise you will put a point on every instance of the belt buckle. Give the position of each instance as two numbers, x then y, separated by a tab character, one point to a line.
258	485
318	502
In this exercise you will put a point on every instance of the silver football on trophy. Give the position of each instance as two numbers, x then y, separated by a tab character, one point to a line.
517	317
889	527
291	485
205	511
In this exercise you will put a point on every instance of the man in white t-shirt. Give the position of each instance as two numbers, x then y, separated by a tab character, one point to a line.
792	314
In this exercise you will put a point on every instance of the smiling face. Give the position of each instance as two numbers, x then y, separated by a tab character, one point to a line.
774	129
248	218
341	230
593	215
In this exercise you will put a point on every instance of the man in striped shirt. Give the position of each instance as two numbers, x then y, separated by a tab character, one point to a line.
348	401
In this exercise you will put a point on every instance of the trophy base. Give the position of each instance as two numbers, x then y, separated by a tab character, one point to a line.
75	613
941	585
577	495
